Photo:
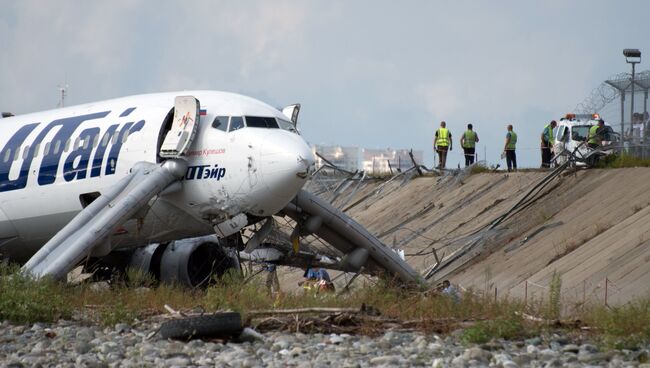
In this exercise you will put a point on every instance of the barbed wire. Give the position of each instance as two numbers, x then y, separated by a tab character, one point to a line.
604	93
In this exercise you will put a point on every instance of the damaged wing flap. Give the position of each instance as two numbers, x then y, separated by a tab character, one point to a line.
186	120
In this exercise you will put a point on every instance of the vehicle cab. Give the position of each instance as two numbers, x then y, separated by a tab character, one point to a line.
571	134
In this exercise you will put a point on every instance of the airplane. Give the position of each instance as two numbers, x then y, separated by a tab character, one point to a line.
163	181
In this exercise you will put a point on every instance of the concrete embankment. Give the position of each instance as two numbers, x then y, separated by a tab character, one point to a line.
592	227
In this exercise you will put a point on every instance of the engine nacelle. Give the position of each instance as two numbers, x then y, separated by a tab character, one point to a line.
189	262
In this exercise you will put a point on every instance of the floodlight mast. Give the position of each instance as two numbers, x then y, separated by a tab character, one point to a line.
632	56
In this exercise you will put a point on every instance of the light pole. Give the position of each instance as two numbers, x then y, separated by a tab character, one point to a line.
632	56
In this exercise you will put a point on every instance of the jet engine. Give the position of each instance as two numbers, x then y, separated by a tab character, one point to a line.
192	262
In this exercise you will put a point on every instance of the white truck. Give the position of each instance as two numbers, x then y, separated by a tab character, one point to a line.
571	135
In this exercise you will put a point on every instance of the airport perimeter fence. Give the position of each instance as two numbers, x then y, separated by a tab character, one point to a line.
603	292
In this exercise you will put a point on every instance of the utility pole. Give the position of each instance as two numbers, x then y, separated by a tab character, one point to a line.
632	56
63	91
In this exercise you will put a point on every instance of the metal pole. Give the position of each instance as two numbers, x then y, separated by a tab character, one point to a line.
644	134
622	115
632	100
526	293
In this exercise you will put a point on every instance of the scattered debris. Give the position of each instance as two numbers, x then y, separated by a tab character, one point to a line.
225	325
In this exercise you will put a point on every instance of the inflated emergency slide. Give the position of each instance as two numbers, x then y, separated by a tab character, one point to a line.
92	227
361	248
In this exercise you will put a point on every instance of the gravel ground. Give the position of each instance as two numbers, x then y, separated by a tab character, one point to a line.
72	344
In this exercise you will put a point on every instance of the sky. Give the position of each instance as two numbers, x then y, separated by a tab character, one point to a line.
374	74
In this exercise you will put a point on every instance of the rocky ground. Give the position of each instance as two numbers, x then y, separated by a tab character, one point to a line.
69	343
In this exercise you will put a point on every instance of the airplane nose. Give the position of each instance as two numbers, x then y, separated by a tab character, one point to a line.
286	161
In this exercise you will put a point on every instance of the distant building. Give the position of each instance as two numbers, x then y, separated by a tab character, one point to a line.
346	158
372	161
376	161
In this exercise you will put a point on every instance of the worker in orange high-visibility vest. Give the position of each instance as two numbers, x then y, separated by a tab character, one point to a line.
442	144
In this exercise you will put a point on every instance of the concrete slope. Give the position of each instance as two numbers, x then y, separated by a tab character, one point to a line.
589	226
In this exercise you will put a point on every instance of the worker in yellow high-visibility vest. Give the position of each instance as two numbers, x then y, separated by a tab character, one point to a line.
442	143
547	143
595	135
468	142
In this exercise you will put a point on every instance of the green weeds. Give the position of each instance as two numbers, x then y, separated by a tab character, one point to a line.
24	300
624	327
621	161
508	327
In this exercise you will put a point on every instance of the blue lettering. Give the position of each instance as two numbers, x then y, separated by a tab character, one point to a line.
115	149
50	163
75	165
199	171
205	172
78	171
5	167
214	172
96	169
190	172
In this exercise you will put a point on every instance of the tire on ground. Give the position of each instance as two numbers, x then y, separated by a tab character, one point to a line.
213	325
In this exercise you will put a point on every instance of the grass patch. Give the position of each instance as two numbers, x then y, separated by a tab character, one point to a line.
509	328
480	169
622	161
24	300
624	327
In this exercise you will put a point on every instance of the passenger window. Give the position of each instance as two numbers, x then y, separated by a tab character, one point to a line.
67	145
7	155
25	152
236	122
86	142
126	136
96	141
115	135
57	146
36	149
47	148
105	139
261	122
77	143
221	123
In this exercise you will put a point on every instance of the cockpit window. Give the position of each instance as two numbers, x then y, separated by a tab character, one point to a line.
221	123
236	122
287	125
261	122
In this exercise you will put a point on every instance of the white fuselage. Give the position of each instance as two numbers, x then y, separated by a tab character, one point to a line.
50	162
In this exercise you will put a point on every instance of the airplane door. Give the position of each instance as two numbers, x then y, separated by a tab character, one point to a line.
186	120
292	112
